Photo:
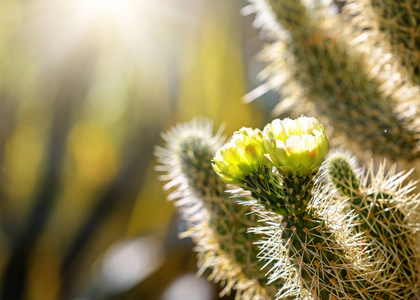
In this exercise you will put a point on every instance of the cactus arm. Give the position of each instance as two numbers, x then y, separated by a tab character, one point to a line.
336	79
217	224
311	243
315	236
380	217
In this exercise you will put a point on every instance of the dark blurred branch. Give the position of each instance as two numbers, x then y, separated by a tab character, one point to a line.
13	285
8	106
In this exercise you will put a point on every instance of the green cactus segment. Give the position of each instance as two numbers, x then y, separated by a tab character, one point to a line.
341	173
219	226
318	252
266	189
342	89
382	222
291	14
185	159
325	270
297	192
194	160
350	98
330	262
291	197
229	220
400	20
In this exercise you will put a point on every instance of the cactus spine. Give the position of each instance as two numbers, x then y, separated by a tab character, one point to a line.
387	214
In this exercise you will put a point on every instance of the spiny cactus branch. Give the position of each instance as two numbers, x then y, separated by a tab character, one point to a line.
381	202
217	224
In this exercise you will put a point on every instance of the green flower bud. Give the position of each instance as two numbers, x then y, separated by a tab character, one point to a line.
241	156
295	147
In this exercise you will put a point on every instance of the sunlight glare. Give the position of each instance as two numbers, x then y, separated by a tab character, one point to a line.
118	9
122	32
124	24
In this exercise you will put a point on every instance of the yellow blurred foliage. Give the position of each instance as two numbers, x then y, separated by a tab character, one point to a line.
212	79
93	151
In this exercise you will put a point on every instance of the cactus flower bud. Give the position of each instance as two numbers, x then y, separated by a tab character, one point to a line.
241	156
295	147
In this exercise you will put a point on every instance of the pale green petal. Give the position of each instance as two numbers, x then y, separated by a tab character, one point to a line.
301	148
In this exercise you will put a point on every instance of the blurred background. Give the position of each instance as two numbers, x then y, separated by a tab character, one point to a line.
86	87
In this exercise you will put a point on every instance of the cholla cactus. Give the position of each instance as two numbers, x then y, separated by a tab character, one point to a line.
387	214
216	223
309	235
293	234
311	246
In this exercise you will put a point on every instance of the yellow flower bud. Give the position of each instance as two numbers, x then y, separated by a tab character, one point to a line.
295	146
241	156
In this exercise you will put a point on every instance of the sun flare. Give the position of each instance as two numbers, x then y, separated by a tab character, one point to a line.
111	9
